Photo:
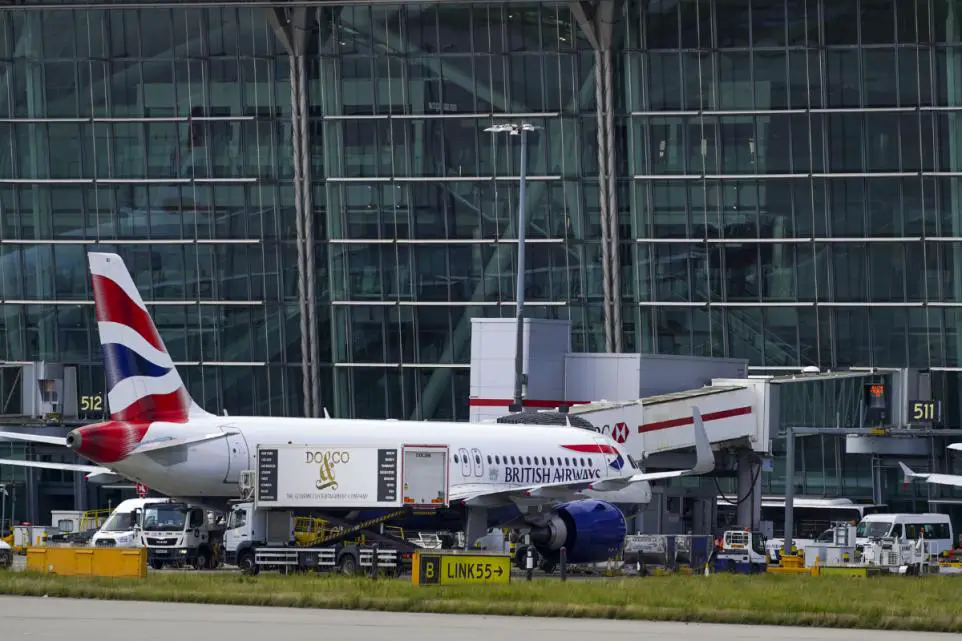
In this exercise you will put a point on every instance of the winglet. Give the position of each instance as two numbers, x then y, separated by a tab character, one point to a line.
326	414
705	457
908	473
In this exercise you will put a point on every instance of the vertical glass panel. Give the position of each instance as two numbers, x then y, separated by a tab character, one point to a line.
842	77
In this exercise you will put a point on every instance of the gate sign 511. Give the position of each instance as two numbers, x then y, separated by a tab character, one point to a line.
925	412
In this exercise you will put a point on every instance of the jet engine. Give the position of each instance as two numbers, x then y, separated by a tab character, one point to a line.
591	531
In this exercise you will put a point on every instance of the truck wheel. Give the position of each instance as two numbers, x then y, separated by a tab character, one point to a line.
348	565
6	560
157	565
246	563
201	562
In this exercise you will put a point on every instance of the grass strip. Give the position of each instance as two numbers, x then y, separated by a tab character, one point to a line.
929	604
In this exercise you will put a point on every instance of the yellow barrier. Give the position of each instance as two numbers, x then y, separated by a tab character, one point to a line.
449	568
116	562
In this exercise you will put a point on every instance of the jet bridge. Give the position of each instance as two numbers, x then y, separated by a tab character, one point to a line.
734	415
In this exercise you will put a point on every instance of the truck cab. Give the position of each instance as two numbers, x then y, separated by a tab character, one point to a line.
249	528
176	533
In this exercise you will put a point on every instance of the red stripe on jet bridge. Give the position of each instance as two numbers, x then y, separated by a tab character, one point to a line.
688	420
528	402
594	448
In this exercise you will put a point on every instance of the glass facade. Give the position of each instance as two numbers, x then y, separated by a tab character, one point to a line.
787	178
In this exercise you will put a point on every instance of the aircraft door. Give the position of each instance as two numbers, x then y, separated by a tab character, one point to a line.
238	456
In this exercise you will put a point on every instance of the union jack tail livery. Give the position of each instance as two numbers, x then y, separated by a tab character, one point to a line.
143	385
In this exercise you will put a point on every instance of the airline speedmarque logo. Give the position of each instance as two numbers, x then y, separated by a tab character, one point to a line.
547	475
327	460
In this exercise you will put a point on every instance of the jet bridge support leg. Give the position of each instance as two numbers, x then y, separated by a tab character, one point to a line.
476	526
749	510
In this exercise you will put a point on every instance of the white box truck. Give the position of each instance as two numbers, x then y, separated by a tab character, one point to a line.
293	479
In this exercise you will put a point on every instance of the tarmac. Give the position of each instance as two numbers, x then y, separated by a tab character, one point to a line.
40	618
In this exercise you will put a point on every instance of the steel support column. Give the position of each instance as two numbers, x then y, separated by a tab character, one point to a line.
596	20
290	26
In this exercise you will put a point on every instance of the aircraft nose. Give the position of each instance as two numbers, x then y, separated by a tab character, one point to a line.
74	440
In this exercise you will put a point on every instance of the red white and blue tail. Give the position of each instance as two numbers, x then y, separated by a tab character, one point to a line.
143	385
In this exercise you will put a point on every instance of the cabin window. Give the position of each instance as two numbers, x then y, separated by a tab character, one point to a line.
544	461
567	461
489	459
591	463
455	458
512	460
477	459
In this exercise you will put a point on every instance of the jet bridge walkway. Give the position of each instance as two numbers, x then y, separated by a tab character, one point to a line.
735	415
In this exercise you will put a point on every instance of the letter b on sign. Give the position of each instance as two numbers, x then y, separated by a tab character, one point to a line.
430	569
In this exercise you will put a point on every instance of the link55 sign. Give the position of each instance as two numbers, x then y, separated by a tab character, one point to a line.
928	412
461	569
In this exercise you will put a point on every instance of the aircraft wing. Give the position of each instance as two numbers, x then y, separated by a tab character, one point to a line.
33	438
70	467
479	494
935	479
956	446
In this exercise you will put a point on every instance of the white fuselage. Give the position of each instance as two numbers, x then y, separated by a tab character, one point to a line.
485	456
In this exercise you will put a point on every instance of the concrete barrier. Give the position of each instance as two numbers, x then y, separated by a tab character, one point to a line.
115	562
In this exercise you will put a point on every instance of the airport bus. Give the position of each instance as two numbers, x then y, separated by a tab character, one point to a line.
811	516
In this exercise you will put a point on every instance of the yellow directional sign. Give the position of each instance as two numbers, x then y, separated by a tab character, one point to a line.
460	569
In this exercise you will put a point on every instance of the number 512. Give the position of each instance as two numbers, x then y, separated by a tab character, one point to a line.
91	403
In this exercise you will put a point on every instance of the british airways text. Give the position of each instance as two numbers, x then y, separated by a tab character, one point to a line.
547	475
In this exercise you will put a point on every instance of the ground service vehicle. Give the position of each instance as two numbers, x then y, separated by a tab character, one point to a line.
6	555
741	551
291	479
122	527
935	529
176	533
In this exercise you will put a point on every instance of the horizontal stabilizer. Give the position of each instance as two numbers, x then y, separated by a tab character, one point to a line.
33	438
956	446
100	478
69	467
150	447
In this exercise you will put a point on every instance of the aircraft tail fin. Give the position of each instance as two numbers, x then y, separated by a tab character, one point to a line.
143	384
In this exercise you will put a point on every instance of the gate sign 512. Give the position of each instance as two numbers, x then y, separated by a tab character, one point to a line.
929	412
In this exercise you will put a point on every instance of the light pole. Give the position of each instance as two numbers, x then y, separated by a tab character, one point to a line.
519	377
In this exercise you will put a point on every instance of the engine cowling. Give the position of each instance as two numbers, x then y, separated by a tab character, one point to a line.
591	531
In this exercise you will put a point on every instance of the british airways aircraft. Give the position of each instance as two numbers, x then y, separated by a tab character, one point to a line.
562	484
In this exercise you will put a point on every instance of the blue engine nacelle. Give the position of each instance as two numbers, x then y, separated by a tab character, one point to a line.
590	531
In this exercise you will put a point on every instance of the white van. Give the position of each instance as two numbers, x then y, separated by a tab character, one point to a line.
936	529
123	528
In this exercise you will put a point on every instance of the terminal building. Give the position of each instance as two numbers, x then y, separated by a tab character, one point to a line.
314	213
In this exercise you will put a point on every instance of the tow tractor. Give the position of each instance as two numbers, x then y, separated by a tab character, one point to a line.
741	551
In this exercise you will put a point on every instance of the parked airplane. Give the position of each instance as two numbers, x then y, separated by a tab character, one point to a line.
564	484
932	477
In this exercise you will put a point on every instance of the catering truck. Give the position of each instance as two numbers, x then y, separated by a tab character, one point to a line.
331	483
